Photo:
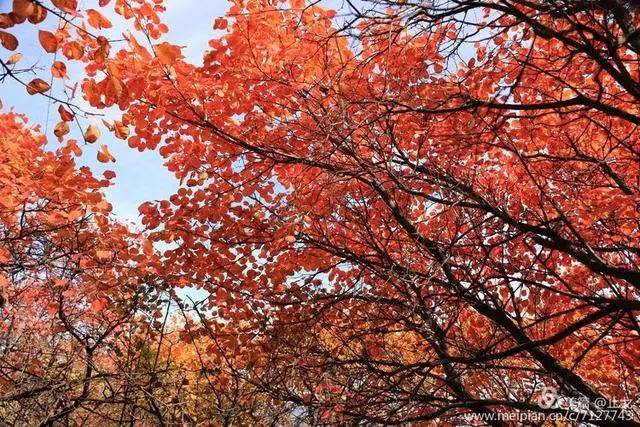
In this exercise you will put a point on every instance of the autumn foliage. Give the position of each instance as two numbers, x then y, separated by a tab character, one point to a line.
400	212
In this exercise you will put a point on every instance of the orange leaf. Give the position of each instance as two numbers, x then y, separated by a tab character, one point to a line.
52	309
74	215
16	19
9	41
220	24
61	129
104	206
104	156
167	53
92	134
5	255
59	69
48	41
37	86
39	14
65	114
121	131
73	50
97	21
72	145
98	304
136	48
147	247
6	21
66	5
23	8
107	125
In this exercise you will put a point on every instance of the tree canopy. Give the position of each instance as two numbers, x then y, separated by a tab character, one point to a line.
400	212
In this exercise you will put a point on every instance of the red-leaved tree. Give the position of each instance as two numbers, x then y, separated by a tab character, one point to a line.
402	211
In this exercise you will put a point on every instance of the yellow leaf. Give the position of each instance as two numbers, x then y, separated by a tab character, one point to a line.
92	134
14	59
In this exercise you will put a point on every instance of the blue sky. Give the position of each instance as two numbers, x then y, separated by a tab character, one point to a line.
139	176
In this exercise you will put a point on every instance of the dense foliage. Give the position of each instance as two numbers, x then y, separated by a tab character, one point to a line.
401	212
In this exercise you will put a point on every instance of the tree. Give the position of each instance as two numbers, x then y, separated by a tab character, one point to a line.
404	212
